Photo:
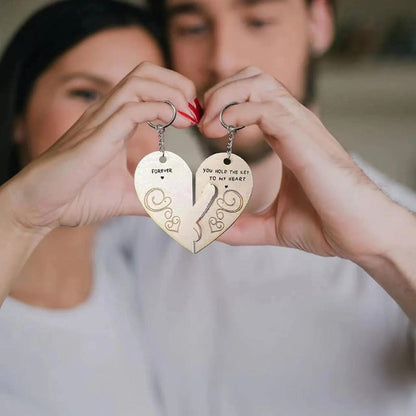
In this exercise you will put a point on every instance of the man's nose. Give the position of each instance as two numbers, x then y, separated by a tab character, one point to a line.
227	52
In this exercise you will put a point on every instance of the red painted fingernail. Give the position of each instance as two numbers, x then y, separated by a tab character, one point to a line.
187	116
196	109
192	108
200	110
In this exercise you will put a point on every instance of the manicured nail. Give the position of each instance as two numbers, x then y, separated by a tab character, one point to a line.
192	108
199	109
188	117
196	109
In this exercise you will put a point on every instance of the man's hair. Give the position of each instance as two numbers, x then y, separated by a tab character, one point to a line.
159	5
42	39
158	8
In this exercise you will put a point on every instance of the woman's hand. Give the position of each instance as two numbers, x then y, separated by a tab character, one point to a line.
83	178
326	205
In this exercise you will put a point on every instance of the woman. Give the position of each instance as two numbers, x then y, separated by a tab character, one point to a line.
70	334
219	340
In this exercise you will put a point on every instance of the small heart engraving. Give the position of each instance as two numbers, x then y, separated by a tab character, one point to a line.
173	224
215	225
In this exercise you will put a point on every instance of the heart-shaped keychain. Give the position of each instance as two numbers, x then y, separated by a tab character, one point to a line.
164	185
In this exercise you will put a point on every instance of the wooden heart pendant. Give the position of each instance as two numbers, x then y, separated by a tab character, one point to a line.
165	188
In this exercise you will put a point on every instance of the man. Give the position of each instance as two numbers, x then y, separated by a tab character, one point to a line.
271	331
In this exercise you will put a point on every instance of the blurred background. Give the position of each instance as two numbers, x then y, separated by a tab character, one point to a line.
367	83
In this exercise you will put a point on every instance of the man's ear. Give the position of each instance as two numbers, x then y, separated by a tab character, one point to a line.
321	26
19	131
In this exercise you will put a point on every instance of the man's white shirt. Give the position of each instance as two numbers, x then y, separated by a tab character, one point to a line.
229	331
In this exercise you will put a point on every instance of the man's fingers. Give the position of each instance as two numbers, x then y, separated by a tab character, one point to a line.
248	72
251	229
242	114
257	88
300	141
291	129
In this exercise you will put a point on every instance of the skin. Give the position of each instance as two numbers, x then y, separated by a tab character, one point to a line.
325	205
79	78
213	40
58	274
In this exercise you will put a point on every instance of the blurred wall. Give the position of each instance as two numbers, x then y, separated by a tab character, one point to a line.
12	12
375	9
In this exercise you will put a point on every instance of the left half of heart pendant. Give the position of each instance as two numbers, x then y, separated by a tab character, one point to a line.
164	187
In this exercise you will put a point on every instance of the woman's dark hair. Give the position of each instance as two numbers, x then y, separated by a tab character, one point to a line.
44	37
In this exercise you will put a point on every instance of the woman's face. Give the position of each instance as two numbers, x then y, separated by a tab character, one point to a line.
77	79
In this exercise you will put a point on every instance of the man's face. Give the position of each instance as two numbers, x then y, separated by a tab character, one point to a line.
213	39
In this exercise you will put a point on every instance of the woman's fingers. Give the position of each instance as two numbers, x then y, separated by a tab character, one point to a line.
146	83
130	204
134	88
96	149
79	172
86	170
110	137
150	82
166	76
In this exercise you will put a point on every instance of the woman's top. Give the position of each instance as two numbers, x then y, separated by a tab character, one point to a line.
88	360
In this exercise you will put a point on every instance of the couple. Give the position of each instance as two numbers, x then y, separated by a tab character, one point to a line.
105	315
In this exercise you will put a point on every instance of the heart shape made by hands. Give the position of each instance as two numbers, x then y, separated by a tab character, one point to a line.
165	188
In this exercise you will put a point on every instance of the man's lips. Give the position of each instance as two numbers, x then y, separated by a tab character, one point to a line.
197	112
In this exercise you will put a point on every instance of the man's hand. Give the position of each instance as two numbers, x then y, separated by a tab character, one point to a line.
326	204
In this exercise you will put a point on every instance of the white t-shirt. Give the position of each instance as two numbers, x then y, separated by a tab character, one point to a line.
85	361
231	331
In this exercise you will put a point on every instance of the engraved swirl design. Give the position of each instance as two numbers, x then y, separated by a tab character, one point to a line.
231	202
155	200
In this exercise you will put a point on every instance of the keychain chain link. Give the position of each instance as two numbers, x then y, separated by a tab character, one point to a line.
161	134
230	129
160	128
231	135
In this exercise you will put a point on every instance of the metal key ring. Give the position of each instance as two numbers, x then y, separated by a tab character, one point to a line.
164	126
224	124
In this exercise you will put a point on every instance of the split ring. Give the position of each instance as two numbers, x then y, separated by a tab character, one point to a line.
164	126
224	124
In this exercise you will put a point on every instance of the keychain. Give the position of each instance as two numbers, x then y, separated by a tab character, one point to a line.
223	185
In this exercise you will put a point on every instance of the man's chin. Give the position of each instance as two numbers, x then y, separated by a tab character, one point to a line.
248	144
